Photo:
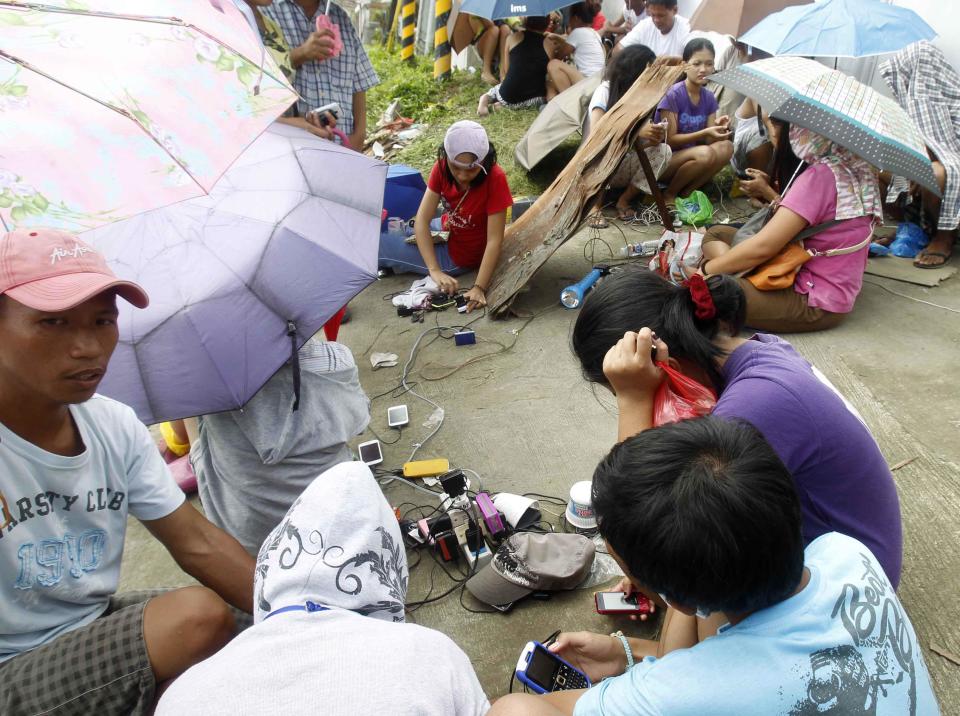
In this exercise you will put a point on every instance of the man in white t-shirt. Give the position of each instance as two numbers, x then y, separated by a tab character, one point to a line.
74	465
583	43
664	31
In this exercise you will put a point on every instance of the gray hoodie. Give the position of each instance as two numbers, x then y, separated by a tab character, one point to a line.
349	650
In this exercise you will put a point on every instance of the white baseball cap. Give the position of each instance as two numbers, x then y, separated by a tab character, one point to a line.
466	137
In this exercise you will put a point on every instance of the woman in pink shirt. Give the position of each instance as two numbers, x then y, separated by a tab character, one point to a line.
837	186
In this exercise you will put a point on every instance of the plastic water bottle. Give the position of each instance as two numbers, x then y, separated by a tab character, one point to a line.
640	248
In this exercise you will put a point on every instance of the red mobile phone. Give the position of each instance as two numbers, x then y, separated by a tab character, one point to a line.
620	603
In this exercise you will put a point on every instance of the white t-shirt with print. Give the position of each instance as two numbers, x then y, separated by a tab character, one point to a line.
646	33
60	551
589	56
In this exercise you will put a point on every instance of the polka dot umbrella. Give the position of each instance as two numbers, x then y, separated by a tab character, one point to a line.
835	105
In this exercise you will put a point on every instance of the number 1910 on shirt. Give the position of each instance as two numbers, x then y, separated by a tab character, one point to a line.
43	564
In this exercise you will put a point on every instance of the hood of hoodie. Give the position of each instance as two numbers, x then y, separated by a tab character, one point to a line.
339	546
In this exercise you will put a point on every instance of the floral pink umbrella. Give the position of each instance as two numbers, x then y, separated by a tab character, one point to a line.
109	108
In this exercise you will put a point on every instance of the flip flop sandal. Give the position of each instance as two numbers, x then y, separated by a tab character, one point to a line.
598	221
626	215
935	254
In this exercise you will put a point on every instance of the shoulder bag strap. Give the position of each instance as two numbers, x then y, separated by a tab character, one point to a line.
807	233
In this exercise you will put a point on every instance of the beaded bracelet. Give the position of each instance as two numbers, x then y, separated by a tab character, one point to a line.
626	647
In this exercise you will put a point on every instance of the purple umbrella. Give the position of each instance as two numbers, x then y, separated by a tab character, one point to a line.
288	236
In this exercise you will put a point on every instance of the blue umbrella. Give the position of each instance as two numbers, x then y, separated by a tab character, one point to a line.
403	192
838	28
499	9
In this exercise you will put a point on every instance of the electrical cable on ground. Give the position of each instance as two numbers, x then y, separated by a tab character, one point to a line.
911	298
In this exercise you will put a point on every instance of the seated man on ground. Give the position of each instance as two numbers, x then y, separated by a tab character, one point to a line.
75	464
528	53
927	86
252	464
582	43
623	71
700	139
663	31
703	516
329	634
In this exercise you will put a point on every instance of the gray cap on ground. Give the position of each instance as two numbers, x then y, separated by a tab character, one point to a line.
530	562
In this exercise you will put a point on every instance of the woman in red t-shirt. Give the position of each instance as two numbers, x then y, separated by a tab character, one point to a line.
476	196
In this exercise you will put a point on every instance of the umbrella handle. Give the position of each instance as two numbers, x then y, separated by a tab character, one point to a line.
344	139
294	363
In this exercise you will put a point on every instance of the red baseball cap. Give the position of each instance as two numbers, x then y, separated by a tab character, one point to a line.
50	270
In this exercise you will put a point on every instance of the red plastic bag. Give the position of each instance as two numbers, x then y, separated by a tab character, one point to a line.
680	397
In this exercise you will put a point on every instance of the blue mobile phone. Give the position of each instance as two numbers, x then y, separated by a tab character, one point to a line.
543	671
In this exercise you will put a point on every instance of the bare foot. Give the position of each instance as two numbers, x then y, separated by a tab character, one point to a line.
483	109
625	212
489	78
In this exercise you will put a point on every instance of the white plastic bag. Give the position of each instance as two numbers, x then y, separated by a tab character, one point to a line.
678	256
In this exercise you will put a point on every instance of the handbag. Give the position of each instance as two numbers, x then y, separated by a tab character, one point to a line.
780	271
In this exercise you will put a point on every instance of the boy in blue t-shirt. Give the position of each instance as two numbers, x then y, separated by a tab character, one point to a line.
703	516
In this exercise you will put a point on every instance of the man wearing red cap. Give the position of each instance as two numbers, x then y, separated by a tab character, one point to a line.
73	465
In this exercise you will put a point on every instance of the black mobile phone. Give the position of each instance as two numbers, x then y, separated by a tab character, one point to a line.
744	175
544	672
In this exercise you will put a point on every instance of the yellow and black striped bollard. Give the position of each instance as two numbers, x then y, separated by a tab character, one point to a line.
408	20
441	53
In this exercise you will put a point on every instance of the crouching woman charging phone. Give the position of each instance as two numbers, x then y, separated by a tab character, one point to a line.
476	196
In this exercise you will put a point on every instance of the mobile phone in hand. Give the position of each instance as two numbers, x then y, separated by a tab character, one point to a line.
620	603
544	672
333	108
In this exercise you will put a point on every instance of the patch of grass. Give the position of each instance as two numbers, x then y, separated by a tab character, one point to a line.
440	104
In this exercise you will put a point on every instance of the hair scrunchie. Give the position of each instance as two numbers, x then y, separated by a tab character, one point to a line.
704	307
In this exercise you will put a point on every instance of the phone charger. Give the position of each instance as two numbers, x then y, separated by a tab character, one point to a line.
447	545
490	514
426	468
464	338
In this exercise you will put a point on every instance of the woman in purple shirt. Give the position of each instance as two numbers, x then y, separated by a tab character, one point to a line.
843	481
700	140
